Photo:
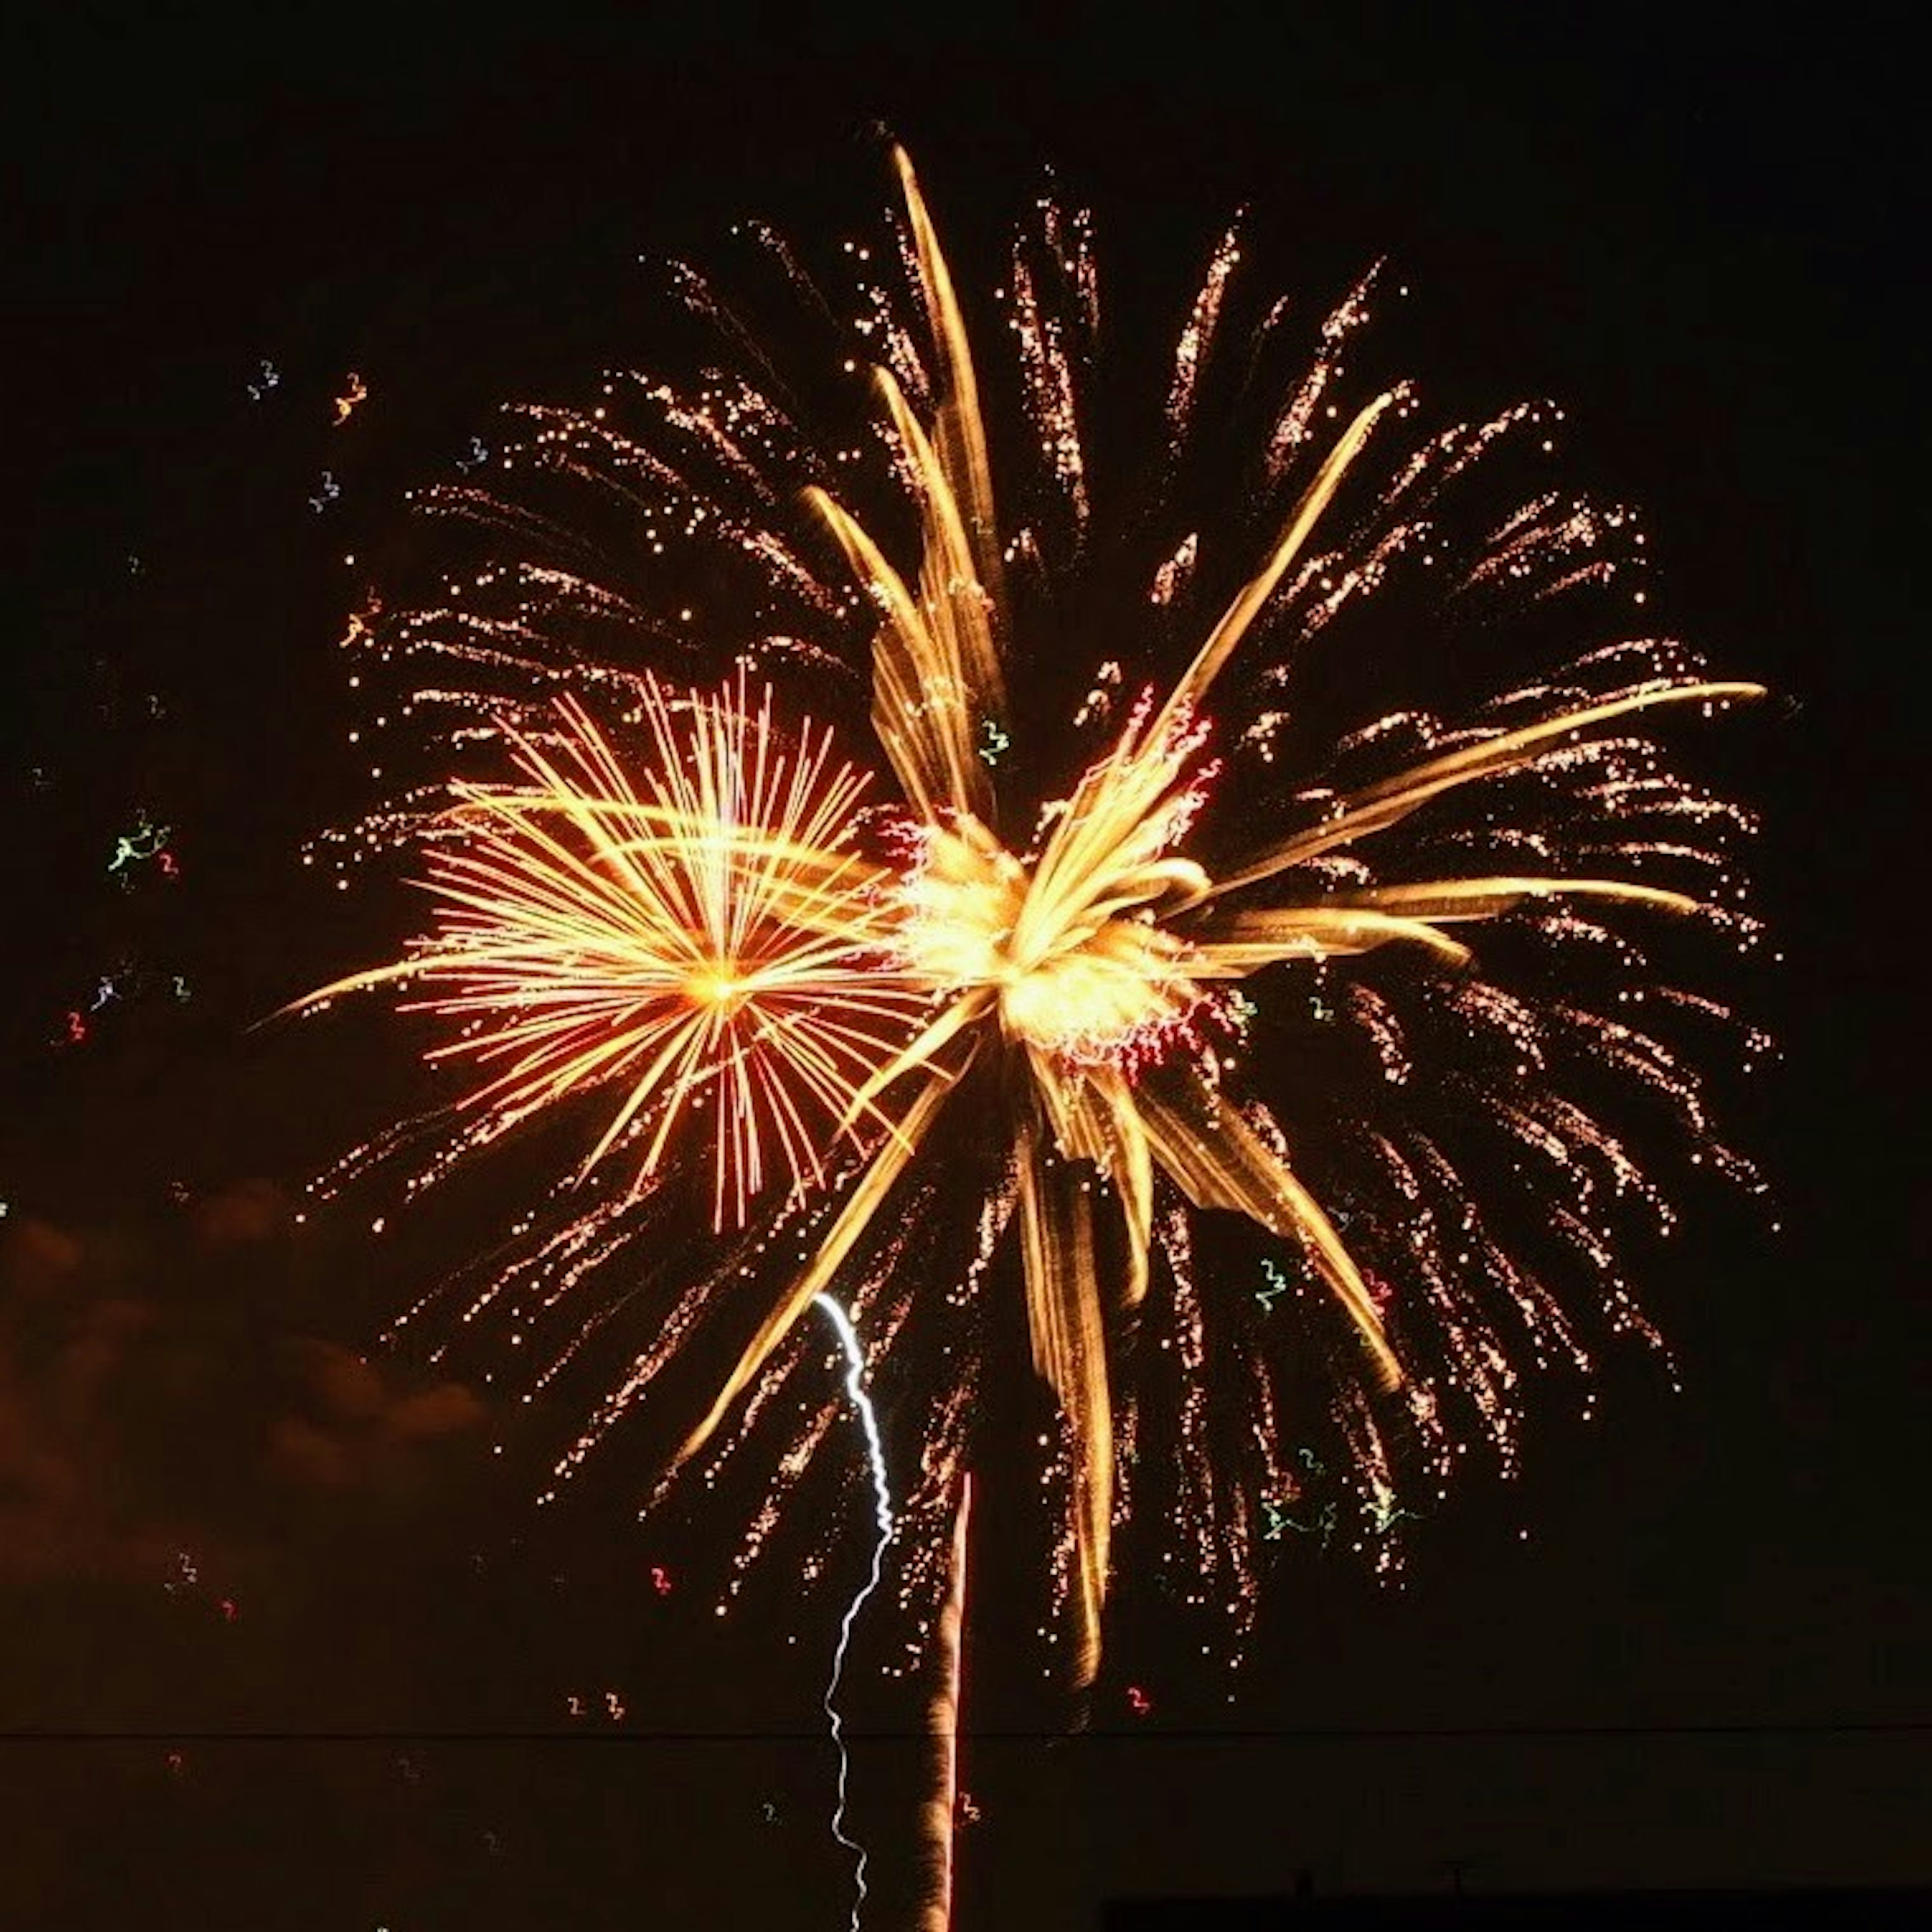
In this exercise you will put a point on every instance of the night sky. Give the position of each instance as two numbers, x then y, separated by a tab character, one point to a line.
281	1642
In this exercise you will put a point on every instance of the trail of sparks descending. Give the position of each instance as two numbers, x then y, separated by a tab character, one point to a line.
1016	1070
855	1371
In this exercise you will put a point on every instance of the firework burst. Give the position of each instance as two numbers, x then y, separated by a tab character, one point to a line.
703	935
1067	981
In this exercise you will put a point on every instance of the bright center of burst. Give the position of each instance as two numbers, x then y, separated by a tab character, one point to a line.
717	986
1080	983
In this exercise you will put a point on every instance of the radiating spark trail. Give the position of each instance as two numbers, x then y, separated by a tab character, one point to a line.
700	933
855	1369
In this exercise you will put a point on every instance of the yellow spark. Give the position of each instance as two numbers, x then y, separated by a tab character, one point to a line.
356	393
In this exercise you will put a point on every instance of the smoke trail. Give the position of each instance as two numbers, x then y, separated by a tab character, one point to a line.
942	1808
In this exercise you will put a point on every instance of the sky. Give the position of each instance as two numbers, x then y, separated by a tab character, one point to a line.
280	1640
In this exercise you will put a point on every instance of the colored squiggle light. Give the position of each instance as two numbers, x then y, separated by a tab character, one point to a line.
1278	1519
145	841
855	1369
1383	1512
1279	1285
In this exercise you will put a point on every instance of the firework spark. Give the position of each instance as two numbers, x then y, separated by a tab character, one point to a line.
707	936
1044	985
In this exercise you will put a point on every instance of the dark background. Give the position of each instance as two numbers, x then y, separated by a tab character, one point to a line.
1706	1662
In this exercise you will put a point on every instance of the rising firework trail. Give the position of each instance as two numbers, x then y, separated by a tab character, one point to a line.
1394	1002
882	1505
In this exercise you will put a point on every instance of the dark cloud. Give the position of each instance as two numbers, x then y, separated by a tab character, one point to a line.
151	1400
248	1211
36	1257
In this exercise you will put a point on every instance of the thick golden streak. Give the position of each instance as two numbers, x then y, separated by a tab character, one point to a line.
956	601
1253	940
1485	898
962	435
801	1043
1123	890
919	1052
1131	1169
1070	1351
913	689
861	1204
1060	1089
1113	805
1253	596
1380	805
1218	1160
